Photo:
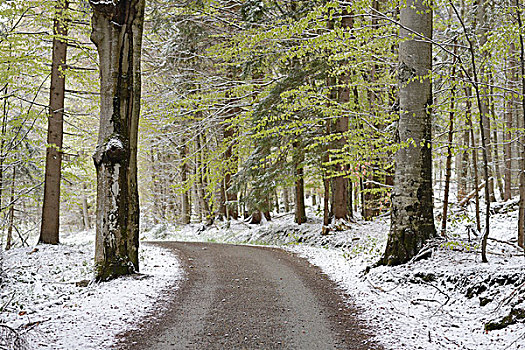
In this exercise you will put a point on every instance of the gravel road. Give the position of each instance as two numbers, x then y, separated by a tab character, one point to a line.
244	297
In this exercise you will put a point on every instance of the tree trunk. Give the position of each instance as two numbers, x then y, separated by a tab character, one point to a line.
205	204
495	138
340	181
509	121
2	142
9	240
85	211
196	191
412	220
186	208
49	230
448	166
300	211
155	184
463	166
286	199
474	161
483	94
521	214
231	161
117	33
277	204
326	201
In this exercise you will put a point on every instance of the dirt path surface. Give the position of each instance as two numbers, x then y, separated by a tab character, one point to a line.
242	297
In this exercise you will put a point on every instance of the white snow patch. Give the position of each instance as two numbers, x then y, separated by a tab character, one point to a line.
40	286
114	143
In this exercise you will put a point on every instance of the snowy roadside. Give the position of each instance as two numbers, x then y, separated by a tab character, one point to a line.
442	302
48	289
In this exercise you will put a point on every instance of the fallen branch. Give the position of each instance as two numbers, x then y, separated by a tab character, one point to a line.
508	298
505	242
471	195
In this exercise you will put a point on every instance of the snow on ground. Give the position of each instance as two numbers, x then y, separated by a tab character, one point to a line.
434	303
48	289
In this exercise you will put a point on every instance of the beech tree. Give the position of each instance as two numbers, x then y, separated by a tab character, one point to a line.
117	33
412	220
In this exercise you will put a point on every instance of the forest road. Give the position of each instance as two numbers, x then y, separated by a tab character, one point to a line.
244	297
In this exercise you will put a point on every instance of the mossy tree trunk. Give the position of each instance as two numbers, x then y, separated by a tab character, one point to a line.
117	33
412	221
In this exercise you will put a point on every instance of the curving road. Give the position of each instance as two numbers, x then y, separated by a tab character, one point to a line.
243	297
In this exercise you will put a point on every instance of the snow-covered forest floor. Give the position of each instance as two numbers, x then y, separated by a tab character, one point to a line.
441	302
47	295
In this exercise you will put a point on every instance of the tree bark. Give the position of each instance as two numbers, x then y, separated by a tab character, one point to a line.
230	158
300	211
49	230
483	93
474	160
495	138
10	224
186	208
412	220
463	166
340	181
509	121
117	34
85	211
521	214
448	166
205	204
286	199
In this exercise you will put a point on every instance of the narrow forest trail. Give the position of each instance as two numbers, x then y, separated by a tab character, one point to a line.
243	297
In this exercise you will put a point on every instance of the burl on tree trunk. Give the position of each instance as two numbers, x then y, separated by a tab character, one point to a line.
412	220
117	33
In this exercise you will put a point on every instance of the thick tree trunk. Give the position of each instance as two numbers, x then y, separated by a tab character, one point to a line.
49	230
340	181
412	220
117	33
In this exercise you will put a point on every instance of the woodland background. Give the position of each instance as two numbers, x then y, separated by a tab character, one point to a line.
249	106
